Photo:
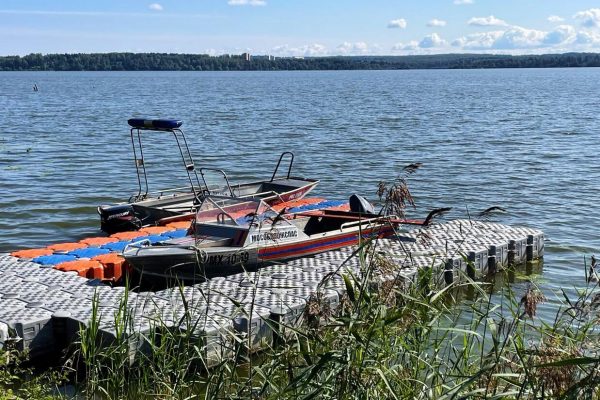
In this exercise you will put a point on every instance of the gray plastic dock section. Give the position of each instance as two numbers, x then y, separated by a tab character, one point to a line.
42	310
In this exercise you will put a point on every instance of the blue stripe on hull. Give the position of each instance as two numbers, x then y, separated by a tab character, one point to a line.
309	248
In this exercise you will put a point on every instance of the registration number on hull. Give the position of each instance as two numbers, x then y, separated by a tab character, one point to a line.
237	258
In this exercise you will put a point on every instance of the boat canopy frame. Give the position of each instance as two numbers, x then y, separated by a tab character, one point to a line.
138	156
195	176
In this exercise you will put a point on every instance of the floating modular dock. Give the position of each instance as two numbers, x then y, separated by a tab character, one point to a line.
43	308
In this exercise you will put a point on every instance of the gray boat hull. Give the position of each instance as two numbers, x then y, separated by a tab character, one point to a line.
190	264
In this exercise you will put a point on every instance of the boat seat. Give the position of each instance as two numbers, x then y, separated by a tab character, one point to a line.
282	185
319	225
273	187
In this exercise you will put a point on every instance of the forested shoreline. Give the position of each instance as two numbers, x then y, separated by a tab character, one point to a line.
204	62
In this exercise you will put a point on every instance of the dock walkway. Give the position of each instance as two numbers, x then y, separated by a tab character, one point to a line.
42	309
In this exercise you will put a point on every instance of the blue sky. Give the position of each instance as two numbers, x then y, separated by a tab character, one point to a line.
300	28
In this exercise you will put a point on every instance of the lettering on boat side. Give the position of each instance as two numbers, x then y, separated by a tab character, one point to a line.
293	196
274	235
240	257
119	215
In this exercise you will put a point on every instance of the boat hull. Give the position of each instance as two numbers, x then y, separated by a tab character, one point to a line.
180	207
192	264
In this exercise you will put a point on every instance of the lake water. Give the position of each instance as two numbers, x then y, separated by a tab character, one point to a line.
526	140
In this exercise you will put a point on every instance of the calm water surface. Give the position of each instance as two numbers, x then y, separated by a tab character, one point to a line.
525	140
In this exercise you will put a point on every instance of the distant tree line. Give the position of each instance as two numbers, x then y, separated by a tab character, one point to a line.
204	62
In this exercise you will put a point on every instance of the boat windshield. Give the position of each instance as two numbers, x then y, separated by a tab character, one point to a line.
245	213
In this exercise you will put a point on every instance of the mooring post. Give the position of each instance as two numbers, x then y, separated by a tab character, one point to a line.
276	318
60	330
471	257
449	271
529	248
242	326
512	248
492	260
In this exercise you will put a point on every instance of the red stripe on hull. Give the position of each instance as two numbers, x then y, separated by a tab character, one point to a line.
313	247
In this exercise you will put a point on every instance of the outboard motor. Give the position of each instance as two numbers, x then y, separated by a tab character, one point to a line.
118	218
361	205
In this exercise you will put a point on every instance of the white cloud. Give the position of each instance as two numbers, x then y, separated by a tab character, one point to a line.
559	35
358	48
589	18
436	22
433	40
247	2
518	38
397	23
315	49
589	39
375	48
487	21
461	2
410	46
155	7
308	50
478	41
459	42
555	18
